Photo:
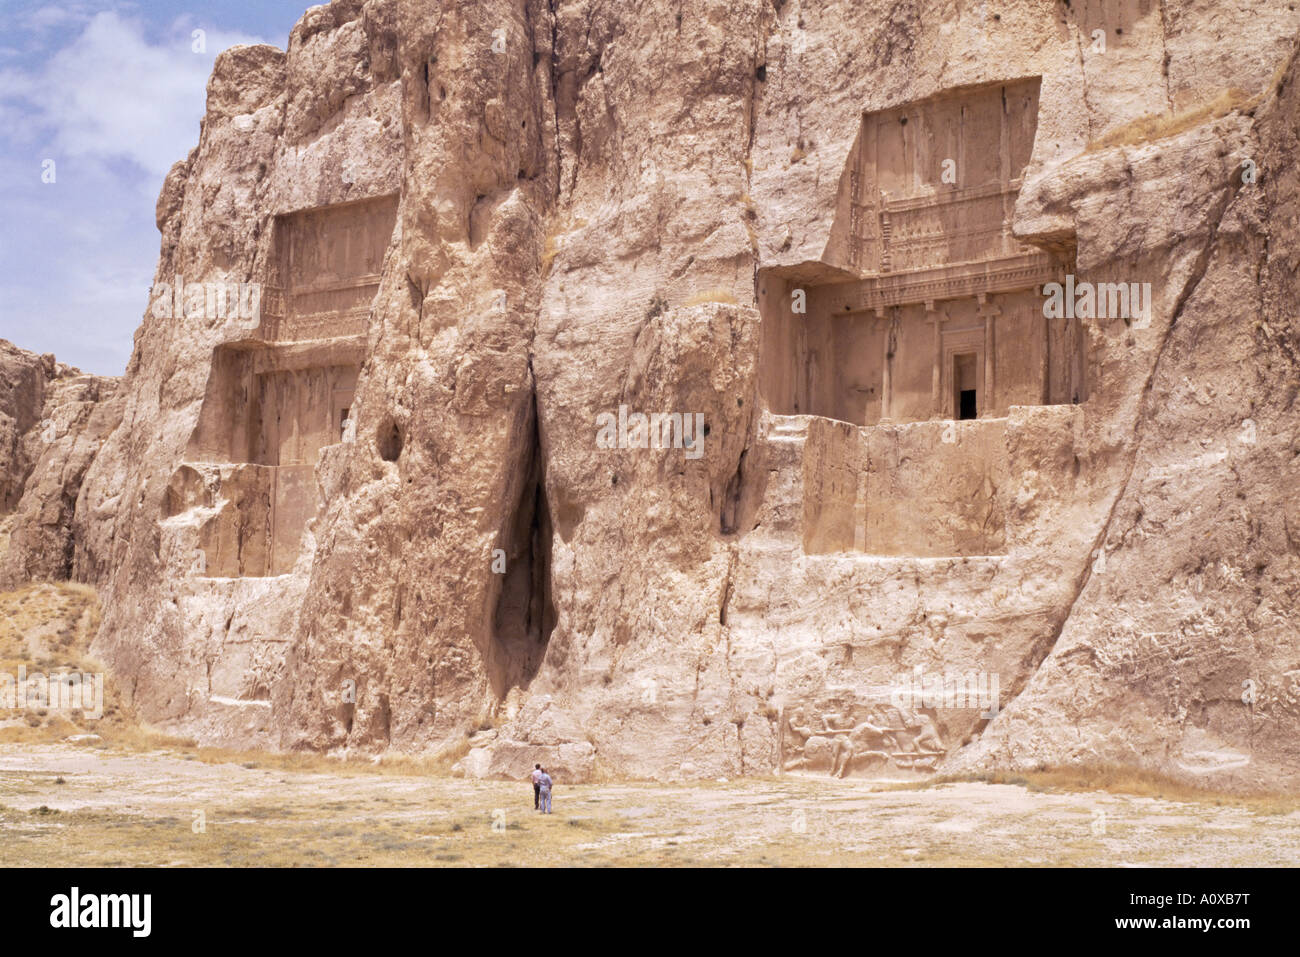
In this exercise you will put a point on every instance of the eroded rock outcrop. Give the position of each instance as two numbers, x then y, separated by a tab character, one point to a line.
53	420
411	501
22	400
1180	651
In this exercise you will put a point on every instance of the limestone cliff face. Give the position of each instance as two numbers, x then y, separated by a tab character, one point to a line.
22	394
380	513
1180	649
53	420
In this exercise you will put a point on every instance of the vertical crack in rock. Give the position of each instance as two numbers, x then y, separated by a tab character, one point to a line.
1040	652
524	616
726	593
555	100
729	520
1083	79
1165	54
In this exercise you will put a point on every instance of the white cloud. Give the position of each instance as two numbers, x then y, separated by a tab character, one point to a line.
49	17
115	101
113	94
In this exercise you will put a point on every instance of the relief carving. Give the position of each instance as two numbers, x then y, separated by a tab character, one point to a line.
872	737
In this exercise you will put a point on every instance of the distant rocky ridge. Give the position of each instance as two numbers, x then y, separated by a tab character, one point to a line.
53	421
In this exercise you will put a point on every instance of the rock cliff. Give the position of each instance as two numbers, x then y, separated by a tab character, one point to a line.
53	420
672	390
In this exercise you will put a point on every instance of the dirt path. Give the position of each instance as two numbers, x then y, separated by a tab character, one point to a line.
66	805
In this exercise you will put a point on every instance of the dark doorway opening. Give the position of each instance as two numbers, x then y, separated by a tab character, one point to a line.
965	385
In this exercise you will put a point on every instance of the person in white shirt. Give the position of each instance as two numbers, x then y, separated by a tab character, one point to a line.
546	784
537	786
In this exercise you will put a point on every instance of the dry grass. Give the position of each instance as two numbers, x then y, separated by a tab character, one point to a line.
1111	779
307	762
47	628
64	804
1158	126
61	805
346	832
70	611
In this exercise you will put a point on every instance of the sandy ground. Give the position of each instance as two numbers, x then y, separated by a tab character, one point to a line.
75	805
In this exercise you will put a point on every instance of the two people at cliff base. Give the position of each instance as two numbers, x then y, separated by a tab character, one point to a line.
542	785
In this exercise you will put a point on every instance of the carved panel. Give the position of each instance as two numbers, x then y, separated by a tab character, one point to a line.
326	270
866	737
936	181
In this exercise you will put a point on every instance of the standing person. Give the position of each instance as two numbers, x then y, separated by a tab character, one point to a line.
537	786
546	784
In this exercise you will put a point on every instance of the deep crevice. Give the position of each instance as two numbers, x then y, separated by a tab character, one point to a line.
729	519
524	616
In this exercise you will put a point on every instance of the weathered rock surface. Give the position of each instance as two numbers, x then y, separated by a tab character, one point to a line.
1180	651
53	420
381	514
22	398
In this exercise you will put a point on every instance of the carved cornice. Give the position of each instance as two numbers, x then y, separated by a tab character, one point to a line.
948	196
1009	274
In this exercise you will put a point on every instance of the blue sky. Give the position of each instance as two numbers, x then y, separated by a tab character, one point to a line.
112	92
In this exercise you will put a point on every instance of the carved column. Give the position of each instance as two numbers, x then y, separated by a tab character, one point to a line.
989	312
936	376
886	231
861	471
887	372
855	215
801	397
1045	393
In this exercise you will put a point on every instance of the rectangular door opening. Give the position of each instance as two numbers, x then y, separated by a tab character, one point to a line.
965	386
